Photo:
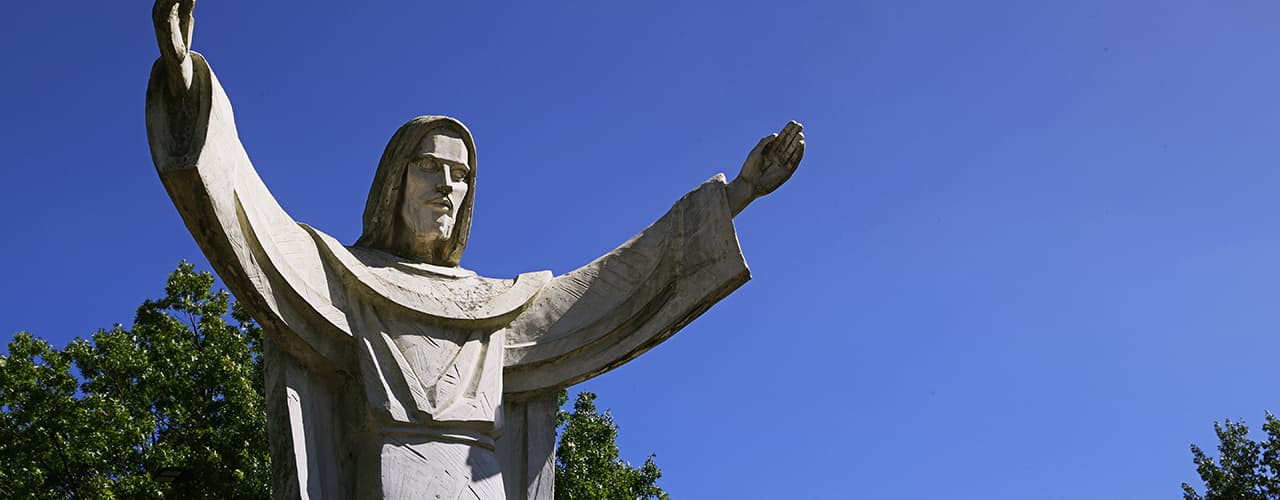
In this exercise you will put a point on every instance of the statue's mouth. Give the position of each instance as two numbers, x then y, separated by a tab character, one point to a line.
440	204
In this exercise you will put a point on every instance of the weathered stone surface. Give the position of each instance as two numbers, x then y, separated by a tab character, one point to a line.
391	371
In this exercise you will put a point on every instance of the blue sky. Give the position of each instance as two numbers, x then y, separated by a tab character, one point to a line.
1031	251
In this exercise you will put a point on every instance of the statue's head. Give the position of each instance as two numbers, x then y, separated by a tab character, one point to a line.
419	206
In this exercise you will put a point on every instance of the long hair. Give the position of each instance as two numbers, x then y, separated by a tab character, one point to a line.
382	209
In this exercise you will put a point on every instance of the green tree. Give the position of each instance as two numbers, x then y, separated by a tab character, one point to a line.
181	389
587	462
1245	469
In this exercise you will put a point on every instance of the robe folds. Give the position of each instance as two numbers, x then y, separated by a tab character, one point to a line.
368	353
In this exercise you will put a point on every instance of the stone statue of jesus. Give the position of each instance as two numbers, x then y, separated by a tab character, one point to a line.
391	372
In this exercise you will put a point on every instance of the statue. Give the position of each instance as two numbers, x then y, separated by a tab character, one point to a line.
391	371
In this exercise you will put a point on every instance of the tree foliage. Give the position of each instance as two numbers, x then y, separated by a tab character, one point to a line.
587	462
1245	469
182	388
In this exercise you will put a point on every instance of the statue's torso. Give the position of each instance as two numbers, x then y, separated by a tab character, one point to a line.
424	363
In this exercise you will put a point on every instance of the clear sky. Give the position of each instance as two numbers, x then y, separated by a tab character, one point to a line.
1031	252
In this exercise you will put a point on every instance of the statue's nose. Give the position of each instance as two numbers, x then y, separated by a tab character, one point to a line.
444	188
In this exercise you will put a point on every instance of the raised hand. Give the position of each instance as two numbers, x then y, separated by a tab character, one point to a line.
773	161
174	24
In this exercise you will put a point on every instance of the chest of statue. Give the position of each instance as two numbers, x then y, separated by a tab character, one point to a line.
430	351
423	373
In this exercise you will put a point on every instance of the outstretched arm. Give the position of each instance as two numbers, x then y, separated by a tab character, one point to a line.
769	164
174	24
622	304
269	262
611	310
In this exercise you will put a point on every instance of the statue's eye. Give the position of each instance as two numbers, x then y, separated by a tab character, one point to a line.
459	174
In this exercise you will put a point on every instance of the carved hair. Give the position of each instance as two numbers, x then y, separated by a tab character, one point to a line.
382	209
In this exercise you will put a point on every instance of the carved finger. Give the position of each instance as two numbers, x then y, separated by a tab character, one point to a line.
795	128
782	141
770	144
791	130
784	136
168	35
789	154
796	146
186	21
793	162
178	36
785	144
778	145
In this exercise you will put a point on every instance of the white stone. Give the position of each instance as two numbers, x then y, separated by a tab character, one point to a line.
392	372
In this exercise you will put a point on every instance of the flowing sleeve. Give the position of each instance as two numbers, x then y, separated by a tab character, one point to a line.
268	261
617	307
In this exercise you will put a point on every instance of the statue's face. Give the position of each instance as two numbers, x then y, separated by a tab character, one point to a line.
434	187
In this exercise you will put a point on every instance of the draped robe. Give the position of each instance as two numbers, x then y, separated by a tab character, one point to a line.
369	355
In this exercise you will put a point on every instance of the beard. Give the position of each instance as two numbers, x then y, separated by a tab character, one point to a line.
426	240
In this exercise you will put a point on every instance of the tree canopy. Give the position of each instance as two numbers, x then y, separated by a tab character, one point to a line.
179	393
587	462
1245	469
